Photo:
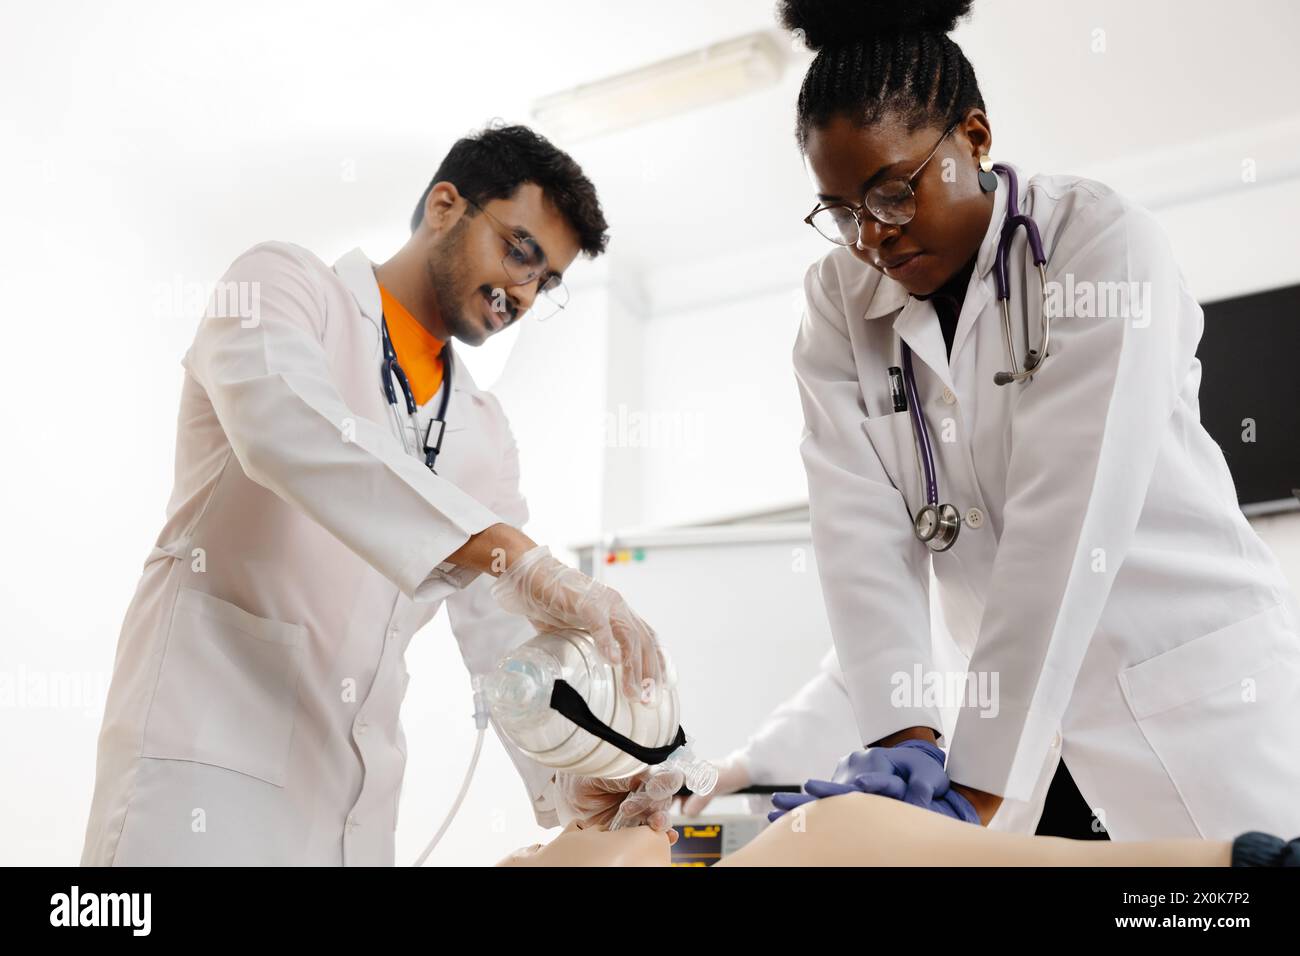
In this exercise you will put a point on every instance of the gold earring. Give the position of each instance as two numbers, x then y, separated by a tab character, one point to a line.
988	179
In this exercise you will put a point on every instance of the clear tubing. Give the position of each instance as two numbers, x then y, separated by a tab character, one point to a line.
480	721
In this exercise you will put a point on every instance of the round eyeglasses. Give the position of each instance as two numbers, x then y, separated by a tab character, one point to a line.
523	262
892	202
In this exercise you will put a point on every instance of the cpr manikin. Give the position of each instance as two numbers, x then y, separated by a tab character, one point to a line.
861	829
630	846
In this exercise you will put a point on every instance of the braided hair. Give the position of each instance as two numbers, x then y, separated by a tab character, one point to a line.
878	58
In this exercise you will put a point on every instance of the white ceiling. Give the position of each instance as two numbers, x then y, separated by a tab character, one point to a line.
1174	72
219	124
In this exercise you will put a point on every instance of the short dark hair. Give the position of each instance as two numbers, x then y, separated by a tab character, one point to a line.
494	162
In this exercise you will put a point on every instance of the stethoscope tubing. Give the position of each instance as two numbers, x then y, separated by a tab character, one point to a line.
920	428
391	368
1013	221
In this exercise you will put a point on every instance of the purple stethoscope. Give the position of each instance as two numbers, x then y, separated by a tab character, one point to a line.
935	524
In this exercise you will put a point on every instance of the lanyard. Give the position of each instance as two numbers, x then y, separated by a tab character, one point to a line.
437	425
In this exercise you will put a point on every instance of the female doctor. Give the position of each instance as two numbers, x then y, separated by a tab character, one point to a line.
1083	527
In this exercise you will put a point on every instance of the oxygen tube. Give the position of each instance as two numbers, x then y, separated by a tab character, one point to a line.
481	714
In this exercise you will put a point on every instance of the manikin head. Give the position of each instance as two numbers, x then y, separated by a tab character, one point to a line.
594	846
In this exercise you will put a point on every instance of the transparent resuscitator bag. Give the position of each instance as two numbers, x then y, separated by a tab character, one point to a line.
562	704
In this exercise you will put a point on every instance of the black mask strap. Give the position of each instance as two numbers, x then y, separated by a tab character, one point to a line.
570	704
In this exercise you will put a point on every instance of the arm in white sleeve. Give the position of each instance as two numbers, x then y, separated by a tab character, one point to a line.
269	380
874	572
807	735
486	633
1084	438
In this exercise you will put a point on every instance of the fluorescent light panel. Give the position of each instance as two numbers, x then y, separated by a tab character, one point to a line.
710	75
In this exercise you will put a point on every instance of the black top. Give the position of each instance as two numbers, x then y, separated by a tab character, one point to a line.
947	301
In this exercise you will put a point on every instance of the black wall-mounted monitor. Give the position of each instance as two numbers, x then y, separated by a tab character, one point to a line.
1249	354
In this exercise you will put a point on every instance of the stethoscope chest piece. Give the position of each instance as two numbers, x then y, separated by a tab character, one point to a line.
937	526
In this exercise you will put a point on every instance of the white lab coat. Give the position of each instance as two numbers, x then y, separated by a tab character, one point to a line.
805	737
252	716
1104	573
808	733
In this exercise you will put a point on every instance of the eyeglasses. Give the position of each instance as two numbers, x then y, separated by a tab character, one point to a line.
523	262
892	202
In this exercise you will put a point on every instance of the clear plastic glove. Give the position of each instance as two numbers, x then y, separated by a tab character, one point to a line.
733	775
553	595
642	799
911	771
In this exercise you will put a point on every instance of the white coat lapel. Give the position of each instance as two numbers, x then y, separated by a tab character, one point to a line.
977	297
358	274
918	326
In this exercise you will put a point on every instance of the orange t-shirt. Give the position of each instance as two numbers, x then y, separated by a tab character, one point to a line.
418	351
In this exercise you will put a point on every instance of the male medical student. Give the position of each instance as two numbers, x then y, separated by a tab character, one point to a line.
339	477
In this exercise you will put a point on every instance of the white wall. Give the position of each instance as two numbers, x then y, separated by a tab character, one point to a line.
724	372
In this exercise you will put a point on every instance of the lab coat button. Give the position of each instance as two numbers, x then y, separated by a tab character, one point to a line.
393	632
948	397
974	517
1056	740
351	824
361	725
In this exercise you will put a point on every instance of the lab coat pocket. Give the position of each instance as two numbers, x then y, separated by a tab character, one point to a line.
227	688
891	437
1222	713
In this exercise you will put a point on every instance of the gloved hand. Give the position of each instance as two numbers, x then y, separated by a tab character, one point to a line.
911	771
643	799
733	775
553	595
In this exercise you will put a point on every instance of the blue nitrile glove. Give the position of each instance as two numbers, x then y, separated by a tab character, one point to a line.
911	771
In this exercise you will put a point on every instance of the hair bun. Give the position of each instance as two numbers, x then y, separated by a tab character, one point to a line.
824	23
